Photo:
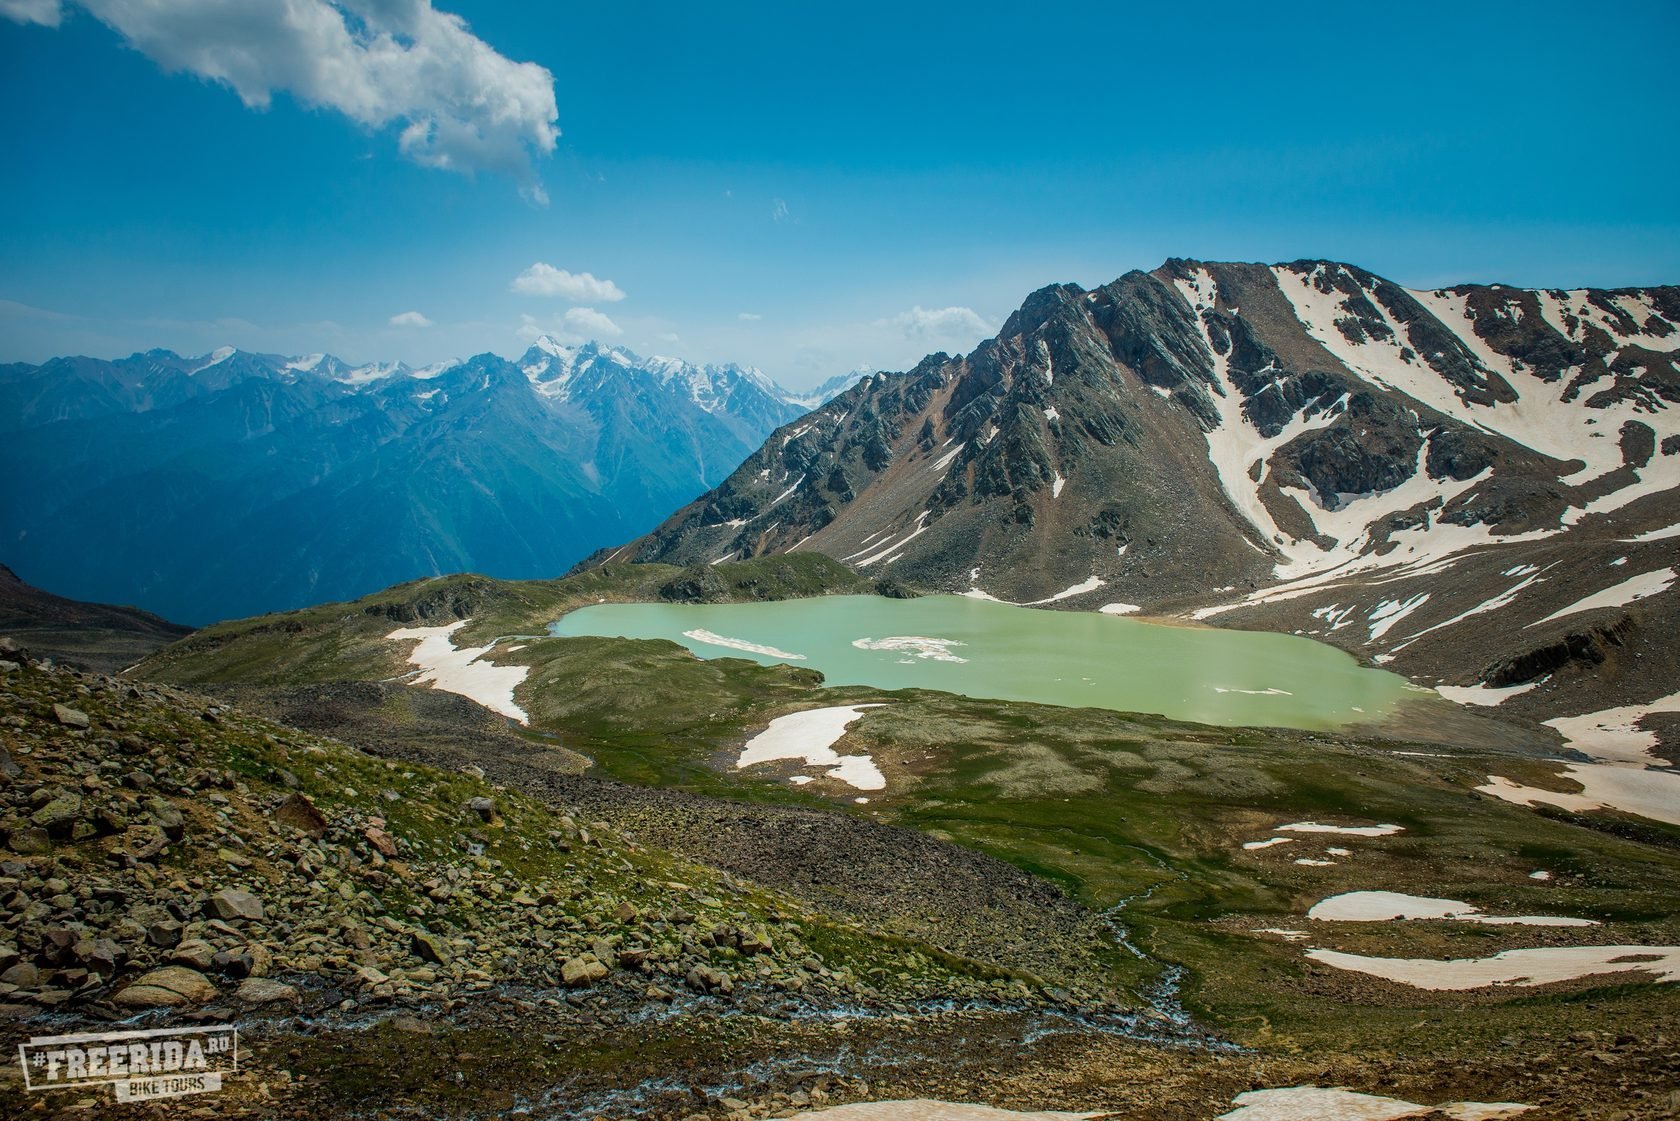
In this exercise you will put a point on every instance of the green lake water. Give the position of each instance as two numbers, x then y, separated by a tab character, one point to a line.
985	649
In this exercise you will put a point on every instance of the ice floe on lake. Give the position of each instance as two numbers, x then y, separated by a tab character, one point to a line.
711	638
811	736
933	649
462	671
1385	906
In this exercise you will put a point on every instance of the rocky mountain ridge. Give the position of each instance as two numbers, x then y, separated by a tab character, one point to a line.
1257	444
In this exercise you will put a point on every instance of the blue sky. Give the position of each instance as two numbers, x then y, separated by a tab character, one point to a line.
807	188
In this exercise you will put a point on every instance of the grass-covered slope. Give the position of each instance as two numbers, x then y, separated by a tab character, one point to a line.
166	851
346	641
1111	807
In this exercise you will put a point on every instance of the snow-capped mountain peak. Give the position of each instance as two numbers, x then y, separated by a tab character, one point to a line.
214	358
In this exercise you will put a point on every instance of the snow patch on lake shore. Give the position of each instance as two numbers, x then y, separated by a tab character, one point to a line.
1485	696
811	736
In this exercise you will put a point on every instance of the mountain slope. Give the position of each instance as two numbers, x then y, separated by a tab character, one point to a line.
1255	444
93	635
237	483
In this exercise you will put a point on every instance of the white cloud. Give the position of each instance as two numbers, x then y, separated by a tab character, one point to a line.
545	280
462	106
44	12
529	330
578	325
11	309
947	323
410	319
749	317
779	211
588	321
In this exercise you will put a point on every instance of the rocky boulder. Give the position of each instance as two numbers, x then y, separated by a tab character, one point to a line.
230	903
169	987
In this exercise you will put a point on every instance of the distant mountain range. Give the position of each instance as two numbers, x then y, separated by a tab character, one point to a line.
237	483
1442	479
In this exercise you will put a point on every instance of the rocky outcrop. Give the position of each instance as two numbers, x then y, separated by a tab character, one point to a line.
170	852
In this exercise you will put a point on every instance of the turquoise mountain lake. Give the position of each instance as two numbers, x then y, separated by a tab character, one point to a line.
995	650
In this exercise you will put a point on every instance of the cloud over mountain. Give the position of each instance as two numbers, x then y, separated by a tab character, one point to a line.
461	105
543	279
959	323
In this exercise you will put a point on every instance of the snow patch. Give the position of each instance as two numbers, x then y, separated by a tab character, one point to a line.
1089	584
1341	830
922	1109
1643	586
944	461
460	671
1613	735
1643	793
1483	696
1526	968
1386	906
1391	611
811	736
1314	1103
896	544
1654	535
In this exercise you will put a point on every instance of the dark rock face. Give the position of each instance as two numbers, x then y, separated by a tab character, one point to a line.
1194	435
1587	648
1117	397
1375	449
